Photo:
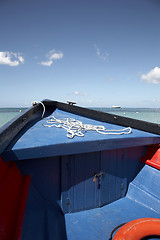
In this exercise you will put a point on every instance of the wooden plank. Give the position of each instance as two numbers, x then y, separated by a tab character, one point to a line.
10	130
111	118
13	127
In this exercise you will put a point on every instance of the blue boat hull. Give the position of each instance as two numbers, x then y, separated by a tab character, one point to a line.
83	188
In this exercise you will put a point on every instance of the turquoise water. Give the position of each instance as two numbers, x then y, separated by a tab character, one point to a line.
6	114
146	114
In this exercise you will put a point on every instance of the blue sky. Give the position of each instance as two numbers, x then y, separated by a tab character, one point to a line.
95	52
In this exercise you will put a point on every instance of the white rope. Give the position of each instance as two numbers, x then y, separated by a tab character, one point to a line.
36	102
77	128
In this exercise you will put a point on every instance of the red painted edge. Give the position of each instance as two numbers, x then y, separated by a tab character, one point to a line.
152	156
13	197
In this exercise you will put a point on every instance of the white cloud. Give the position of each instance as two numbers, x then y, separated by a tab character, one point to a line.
21	59
52	56
103	56
76	92
80	93
11	59
152	77
49	63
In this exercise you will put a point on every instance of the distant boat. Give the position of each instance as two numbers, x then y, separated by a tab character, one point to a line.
85	176
115	106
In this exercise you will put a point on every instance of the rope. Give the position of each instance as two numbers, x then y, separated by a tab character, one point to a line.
77	128
36	102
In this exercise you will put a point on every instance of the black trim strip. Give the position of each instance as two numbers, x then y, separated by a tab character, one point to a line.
111	118
11	129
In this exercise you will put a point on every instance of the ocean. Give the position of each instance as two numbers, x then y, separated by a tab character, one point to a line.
146	114
6	114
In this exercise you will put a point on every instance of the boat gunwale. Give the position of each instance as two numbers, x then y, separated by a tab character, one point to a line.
12	128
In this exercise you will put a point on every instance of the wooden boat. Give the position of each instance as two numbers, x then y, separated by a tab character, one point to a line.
78	187
116	106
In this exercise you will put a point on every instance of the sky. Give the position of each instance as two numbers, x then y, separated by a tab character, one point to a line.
97	53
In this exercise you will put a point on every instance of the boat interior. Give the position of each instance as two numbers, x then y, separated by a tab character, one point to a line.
85	187
90	194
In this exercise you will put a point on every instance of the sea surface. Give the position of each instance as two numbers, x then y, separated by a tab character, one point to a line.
146	114
6	114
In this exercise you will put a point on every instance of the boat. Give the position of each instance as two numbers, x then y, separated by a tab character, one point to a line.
68	172
116	106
